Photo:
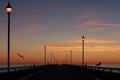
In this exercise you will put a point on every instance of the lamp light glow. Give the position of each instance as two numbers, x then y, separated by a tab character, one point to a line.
9	8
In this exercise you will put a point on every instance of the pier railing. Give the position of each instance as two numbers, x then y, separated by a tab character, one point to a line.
101	73
14	69
96	68
103	69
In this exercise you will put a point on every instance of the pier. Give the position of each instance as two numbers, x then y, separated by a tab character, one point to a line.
46	35
60	72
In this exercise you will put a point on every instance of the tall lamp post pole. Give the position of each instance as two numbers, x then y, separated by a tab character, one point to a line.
54	60
8	11
51	58
67	58
71	56
83	38
45	53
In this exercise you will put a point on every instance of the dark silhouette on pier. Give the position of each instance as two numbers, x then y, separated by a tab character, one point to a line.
98	64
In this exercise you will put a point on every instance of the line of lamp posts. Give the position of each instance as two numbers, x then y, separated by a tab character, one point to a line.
53	58
8	11
65	61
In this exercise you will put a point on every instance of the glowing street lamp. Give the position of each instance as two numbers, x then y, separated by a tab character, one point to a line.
9	8
8	11
83	38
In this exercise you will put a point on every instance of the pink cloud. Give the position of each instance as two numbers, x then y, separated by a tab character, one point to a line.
90	13
109	25
89	23
37	28
98	23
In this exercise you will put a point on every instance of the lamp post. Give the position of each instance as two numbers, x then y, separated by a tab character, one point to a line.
54	59
71	57
83	38
51	58
8	11
45	54
67	58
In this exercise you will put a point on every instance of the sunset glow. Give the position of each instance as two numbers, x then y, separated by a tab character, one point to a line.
60	25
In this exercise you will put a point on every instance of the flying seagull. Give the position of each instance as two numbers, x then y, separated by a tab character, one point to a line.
20	55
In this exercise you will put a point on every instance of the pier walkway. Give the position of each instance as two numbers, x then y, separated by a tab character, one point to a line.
61	72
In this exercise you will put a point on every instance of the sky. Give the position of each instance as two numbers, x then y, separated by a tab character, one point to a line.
60	24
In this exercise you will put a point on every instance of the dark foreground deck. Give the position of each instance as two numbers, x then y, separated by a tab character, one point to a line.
59	72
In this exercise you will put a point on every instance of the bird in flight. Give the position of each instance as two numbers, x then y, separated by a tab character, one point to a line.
20	55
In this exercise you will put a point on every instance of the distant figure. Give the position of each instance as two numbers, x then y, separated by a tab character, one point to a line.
98	64
20	55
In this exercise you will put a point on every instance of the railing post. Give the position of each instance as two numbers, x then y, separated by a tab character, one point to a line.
110	69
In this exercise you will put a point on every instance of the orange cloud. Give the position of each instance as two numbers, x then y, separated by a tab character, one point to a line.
103	48
106	48
97	41
63	47
87	48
